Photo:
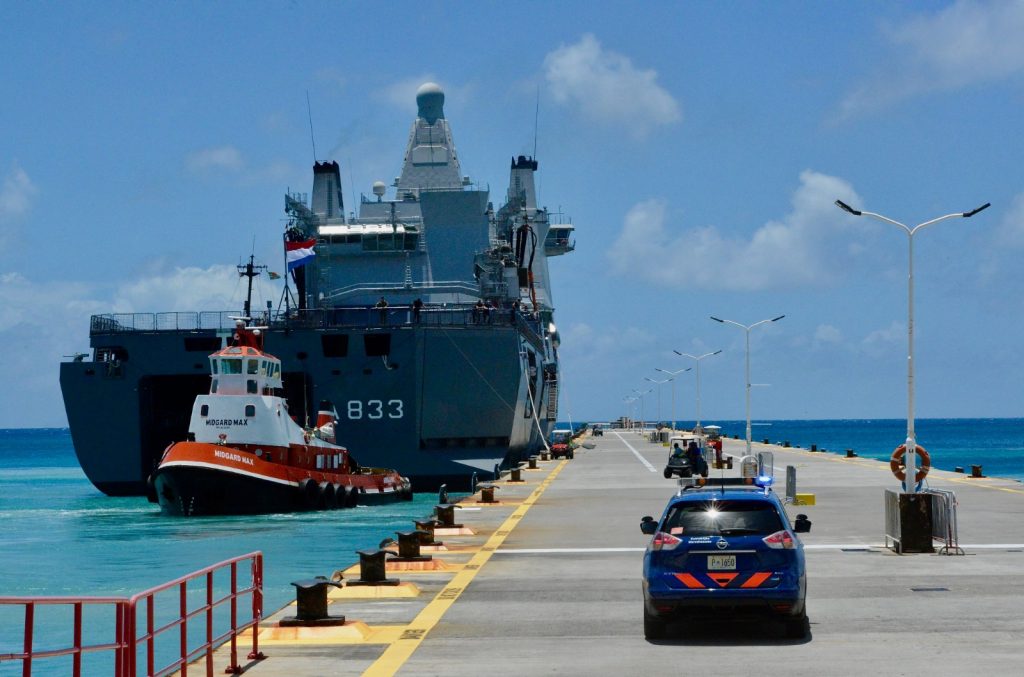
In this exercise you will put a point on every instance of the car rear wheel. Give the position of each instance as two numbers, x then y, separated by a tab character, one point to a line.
668	474
654	627
796	628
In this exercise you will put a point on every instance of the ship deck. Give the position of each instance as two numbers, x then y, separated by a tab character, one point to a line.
549	583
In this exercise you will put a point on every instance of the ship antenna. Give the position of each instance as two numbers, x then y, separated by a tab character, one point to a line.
309	113
250	271
536	118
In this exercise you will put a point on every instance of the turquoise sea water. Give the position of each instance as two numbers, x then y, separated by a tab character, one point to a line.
60	536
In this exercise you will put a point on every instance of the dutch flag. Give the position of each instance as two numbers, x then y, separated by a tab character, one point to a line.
299	253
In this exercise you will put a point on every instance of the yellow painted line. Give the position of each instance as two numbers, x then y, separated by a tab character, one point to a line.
395	656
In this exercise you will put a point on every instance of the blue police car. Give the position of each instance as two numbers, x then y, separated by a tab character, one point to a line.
724	549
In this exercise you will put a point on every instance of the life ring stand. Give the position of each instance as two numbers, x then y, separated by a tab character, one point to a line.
897	466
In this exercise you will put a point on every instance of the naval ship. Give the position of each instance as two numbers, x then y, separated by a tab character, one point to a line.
427	319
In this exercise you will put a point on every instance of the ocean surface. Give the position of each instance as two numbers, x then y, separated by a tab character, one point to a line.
60	536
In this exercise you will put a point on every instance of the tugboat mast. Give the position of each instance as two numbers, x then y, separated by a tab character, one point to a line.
250	271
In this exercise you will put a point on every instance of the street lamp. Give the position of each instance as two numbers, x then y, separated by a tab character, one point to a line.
659	384
673	374
631	401
747	329
698	358
643	423
910	457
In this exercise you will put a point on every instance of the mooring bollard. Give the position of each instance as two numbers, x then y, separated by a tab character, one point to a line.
533	462
976	471
850	453
425	530
487	493
311	604
814	447
958	468
786	444
446	516
765	441
516	474
545	456
409	547
372	568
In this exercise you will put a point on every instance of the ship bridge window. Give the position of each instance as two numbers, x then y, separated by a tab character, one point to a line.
233	366
204	410
250	386
390	242
250	410
253	366
213	363
213	387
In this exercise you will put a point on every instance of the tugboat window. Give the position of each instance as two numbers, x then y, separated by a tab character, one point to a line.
253	366
250	386
204	410
214	364
250	410
213	386
233	366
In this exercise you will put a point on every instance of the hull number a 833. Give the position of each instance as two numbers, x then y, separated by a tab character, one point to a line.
375	409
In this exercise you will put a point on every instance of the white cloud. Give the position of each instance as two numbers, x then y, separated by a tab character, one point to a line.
607	88
964	44
214	158
791	252
16	194
1010	231
880	341
218	287
827	334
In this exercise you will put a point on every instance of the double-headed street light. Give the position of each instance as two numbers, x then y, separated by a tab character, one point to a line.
698	358
673	374
659	384
910	458
747	328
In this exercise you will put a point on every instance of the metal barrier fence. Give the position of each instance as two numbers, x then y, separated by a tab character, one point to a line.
944	521
127	642
30	653
893	530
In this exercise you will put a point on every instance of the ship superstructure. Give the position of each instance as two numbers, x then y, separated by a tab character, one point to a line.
427	319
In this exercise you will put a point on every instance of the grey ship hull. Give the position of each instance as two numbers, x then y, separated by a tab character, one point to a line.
437	403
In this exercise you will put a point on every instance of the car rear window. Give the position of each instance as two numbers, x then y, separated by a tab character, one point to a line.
724	518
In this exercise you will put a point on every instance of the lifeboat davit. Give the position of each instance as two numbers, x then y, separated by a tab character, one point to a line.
245	455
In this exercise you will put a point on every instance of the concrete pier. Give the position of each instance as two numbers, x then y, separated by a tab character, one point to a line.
547	581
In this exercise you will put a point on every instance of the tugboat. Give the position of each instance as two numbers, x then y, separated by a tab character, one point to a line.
246	455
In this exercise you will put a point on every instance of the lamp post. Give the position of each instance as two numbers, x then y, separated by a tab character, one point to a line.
643	423
697	358
659	384
910	457
631	401
673	374
747	328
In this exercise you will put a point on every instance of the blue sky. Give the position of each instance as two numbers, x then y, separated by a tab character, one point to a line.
698	148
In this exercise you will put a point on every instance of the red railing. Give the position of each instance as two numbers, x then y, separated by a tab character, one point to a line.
127	640
119	645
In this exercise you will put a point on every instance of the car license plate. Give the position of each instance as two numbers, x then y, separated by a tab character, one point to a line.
721	562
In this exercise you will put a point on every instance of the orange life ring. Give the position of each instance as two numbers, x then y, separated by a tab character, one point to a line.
897	466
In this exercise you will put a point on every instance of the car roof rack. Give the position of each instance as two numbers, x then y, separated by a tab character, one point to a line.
711	483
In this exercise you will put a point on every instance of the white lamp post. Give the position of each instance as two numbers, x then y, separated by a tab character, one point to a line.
910	457
747	329
698	358
659	384
673	374
643	423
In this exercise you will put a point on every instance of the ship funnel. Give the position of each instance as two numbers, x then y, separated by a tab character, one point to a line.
327	200
325	419
430	100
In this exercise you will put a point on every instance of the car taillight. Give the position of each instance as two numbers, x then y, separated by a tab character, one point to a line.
663	541
780	540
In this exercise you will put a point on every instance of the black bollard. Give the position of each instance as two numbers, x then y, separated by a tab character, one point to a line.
533	462
311	604
409	547
487	493
373	569
976	471
958	468
446	516
425	529
516	474
814	447
786	444
850	453
765	441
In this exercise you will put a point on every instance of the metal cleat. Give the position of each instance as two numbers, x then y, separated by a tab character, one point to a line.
311	604
487	493
409	547
372	569
446	516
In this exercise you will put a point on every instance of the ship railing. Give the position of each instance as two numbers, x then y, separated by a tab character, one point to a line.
115	648
173	321
209	598
383	289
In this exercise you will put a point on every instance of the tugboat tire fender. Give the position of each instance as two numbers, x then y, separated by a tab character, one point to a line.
309	494
328	500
